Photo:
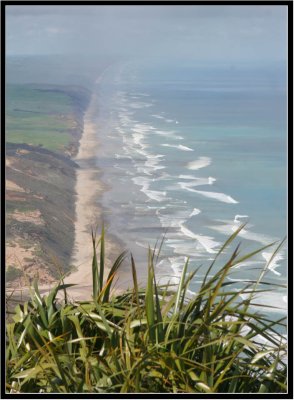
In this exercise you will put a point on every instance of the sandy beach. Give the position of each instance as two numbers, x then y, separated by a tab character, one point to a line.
89	216
89	190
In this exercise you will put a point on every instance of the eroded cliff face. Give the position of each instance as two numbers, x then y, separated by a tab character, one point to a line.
40	212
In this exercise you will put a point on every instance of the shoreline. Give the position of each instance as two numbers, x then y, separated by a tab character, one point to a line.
89	215
85	196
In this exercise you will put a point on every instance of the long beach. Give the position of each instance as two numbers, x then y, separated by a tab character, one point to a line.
89	213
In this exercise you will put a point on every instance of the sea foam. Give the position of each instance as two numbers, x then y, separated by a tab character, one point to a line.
229	227
169	134
196	182
206	242
237	217
157	116
195	211
201	162
156	195
180	147
273	263
217	196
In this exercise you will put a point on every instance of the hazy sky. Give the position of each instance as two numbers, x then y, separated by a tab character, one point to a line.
255	34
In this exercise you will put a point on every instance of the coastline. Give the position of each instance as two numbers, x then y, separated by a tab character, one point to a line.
40	179
89	214
81	191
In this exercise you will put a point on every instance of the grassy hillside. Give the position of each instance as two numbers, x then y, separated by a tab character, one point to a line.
43	126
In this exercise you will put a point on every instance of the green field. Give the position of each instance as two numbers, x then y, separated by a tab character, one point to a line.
39	115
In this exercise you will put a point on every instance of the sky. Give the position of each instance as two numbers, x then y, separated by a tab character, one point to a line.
232	34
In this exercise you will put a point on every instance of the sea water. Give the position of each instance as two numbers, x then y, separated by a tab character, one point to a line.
193	153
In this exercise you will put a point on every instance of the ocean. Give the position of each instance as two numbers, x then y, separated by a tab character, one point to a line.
192	153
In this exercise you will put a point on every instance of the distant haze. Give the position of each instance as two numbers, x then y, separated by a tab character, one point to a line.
196	34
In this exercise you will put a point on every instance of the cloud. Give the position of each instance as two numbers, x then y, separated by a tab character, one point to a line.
54	30
220	33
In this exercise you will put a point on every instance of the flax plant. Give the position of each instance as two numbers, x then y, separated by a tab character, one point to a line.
148	340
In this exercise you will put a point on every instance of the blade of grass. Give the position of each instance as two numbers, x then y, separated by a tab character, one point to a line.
95	276
135	280
180	287
102	258
112	273
149	299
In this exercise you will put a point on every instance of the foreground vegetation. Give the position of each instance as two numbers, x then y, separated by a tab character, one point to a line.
155	339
